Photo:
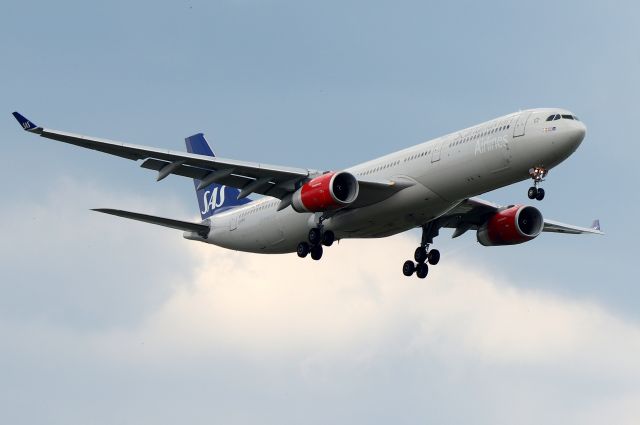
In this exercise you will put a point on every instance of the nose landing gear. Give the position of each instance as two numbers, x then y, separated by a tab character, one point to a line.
537	174
423	254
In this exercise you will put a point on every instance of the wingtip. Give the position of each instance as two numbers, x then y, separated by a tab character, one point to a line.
24	122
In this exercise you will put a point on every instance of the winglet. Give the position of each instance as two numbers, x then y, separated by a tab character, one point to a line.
25	123
596	225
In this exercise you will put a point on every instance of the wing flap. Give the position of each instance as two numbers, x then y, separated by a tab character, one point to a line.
233	180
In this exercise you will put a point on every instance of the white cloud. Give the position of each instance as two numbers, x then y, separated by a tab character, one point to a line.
63	263
357	297
344	339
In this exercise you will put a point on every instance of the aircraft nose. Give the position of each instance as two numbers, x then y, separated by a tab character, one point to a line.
581	129
571	135
577	133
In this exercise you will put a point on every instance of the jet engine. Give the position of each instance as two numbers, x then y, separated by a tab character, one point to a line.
511	226
327	192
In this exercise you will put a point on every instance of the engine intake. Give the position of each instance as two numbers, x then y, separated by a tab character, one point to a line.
512	226
327	192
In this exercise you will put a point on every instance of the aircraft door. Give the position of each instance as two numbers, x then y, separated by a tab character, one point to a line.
233	222
435	156
521	124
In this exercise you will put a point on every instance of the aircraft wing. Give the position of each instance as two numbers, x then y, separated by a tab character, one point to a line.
250	177
557	227
472	213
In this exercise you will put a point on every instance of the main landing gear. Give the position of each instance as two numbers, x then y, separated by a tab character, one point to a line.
423	254
537	174
316	239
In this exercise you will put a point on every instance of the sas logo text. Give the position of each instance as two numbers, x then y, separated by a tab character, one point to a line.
212	199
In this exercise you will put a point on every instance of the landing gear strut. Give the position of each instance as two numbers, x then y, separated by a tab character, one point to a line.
423	254
537	174
316	238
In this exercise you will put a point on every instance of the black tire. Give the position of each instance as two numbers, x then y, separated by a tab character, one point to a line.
328	238
533	192
434	257
316	252
315	236
420	255
303	249
540	194
422	270
408	268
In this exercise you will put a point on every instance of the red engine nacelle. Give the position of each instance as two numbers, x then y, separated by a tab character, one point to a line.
512	226
325	193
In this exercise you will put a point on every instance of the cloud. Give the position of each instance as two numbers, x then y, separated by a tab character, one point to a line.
213	335
64	263
357	296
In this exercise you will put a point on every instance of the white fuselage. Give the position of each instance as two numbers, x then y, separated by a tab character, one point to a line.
444	171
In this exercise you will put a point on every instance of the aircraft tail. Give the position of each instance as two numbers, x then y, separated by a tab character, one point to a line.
213	198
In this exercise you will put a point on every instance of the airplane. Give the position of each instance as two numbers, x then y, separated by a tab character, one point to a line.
432	185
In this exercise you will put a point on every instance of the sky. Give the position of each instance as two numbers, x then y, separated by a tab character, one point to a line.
108	321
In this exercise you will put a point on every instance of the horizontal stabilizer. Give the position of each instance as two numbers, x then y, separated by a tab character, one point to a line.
201	229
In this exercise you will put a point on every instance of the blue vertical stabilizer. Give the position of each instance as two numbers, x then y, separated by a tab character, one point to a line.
214	198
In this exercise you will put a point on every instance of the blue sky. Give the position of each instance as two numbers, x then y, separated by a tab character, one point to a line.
321	85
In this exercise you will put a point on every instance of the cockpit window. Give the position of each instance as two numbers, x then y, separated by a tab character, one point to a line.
558	116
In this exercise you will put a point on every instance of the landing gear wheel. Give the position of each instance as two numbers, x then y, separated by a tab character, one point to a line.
316	252
315	236
434	257
420	255
408	268
537	174
328	237
422	270
303	249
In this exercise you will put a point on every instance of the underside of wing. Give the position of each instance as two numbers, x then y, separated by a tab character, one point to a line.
264	179
469	214
249	177
472	213
374	191
557	227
